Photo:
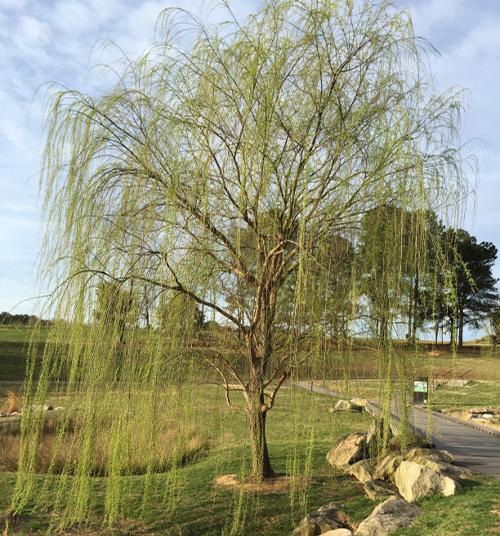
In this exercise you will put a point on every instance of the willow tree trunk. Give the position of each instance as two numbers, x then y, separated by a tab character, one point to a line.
452	332
416	292
256	413
461	328
259	348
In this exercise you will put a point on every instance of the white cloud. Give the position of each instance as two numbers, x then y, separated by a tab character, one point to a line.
14	5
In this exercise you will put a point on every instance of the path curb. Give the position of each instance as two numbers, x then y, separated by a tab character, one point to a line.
467	424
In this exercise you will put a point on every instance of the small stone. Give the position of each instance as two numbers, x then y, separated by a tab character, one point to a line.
360	402
345	405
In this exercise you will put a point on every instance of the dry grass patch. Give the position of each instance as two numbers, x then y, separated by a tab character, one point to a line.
59	450
277	484
12	404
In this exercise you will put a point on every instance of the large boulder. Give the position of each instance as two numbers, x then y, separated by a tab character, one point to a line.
430	454
386	518
362	470
349	450
324	519
387	466
378	489
338	532
438	460
415	480
453	471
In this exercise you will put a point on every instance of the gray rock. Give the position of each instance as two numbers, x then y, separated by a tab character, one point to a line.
362	470
360	402
415	480
378	489
430	454
387	466
324	519
453	471
343	405
346	405
386	518
349	450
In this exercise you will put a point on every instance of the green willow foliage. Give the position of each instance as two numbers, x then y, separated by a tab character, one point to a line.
229	175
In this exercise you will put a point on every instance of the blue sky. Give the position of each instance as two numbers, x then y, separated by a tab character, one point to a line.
48	40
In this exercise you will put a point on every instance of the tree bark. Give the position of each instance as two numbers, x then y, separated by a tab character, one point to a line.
416	291
461	328
261	462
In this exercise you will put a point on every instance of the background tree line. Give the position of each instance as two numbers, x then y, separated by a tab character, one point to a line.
8	319
444	286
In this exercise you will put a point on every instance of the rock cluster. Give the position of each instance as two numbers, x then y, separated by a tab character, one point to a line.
398	478
416	473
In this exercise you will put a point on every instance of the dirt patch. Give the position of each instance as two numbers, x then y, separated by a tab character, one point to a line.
277	484
496	511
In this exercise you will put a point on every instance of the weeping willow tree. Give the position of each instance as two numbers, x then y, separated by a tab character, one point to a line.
219	175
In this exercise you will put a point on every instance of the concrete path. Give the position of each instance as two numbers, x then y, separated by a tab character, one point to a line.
473	448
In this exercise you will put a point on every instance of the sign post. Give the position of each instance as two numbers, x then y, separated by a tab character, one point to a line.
420	390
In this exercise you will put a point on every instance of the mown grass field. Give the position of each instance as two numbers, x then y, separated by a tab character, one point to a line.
301	430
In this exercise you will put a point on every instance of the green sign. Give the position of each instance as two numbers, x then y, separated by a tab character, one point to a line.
420	386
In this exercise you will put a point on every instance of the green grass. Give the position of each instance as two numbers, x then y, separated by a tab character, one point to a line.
473	511
14	342
12	353
474	394
202	508
298	423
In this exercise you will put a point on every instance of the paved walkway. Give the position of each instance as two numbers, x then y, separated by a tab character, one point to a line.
472	448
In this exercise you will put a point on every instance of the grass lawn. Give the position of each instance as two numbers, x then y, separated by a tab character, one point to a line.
484	393
191	504
476	393
14	343
301	430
